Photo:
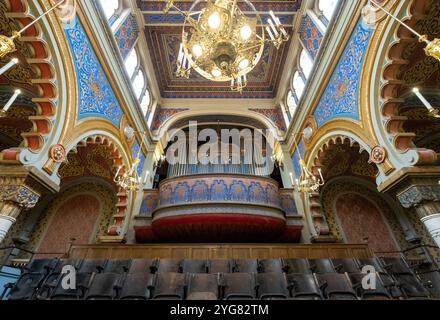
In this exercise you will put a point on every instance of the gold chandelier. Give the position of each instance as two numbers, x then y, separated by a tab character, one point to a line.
222	43
308	182
130	180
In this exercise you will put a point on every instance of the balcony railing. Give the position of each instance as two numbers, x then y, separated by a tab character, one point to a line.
179	170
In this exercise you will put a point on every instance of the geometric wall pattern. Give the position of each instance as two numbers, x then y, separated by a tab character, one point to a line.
82	211
274	115
127	35
74	218
361	219
220	189
310	36
162	115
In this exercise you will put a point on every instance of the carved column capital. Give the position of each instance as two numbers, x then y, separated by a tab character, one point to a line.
24	186
416	195
21	195
20	189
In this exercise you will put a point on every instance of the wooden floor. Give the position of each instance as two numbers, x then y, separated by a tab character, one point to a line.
216	251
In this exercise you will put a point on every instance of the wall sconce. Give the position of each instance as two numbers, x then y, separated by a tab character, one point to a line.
308	182
130	179
432	111
129	132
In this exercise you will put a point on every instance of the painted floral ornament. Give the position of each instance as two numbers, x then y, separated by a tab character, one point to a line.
58	153
378	155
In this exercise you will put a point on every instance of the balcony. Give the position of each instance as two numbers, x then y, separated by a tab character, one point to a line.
211	208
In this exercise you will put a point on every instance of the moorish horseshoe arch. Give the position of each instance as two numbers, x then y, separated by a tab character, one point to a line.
120	158
313	211
54	99
384	83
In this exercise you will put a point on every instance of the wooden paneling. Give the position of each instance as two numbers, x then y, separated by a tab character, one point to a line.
229	251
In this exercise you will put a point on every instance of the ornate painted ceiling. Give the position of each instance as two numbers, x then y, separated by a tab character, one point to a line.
163	34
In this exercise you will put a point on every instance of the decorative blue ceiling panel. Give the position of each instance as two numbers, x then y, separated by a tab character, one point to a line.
95	94
341	97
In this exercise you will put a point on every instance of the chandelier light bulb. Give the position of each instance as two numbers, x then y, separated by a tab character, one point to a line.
216	72
214	21
274	29
270	33
197	50
245	32
275	19
243	64
181	53
117	173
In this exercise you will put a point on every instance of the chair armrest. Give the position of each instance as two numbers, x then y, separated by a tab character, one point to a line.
9	285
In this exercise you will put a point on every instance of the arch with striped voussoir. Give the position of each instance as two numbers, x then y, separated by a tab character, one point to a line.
35	75
351	150
407	123
118	158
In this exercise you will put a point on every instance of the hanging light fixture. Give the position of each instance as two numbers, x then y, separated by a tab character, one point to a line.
432	48
222	43
308	182
7	44
130	180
